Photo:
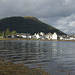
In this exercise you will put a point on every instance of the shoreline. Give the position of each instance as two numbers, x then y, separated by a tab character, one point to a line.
2	39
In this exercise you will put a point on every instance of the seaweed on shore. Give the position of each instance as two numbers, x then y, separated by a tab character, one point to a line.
9	68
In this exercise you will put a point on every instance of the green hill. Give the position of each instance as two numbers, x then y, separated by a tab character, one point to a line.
27	24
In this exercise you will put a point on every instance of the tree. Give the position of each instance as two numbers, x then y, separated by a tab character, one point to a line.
13	32
7	32
1	33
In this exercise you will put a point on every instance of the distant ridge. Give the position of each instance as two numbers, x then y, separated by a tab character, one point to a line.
27	24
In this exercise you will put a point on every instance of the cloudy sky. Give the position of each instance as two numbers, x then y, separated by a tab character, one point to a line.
58	13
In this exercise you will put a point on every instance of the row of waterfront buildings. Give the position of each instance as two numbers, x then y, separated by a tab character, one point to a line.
41	35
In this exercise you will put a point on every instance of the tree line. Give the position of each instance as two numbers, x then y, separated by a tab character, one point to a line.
7	32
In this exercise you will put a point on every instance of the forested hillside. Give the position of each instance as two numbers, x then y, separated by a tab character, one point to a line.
27	25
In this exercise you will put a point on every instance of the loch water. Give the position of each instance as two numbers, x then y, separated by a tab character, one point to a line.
55	57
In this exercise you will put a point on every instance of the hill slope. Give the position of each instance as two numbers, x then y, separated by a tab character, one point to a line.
27	25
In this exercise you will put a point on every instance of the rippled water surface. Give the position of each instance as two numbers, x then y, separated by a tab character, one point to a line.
56	57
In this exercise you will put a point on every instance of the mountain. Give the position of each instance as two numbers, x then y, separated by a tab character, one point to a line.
27	24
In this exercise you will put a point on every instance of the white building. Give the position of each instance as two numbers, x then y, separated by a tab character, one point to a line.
26	36
54	36
61	38
41	33
23	36
29	36
36	36
48	36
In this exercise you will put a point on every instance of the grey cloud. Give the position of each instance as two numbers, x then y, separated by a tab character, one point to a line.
60	14
44	8
66	24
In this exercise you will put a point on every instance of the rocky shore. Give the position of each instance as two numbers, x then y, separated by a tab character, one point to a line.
9	68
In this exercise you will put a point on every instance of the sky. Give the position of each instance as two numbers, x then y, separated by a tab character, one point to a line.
58	13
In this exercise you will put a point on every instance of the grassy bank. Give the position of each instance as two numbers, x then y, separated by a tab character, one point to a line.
8	68
14	39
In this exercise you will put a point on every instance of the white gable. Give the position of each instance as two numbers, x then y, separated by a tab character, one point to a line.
54	36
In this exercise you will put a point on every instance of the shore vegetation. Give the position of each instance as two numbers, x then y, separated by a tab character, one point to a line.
9	68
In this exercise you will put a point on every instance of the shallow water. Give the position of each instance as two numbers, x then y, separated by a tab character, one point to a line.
56	57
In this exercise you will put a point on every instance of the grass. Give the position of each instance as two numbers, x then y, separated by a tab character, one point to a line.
8	68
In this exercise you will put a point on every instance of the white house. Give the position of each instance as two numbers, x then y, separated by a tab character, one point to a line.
36	36
48	36
61	38
26	35
41	33
54	36
23	36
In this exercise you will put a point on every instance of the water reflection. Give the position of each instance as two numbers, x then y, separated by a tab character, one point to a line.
28	50
54	49
53	55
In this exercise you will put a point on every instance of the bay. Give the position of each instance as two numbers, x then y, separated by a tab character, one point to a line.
56	57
